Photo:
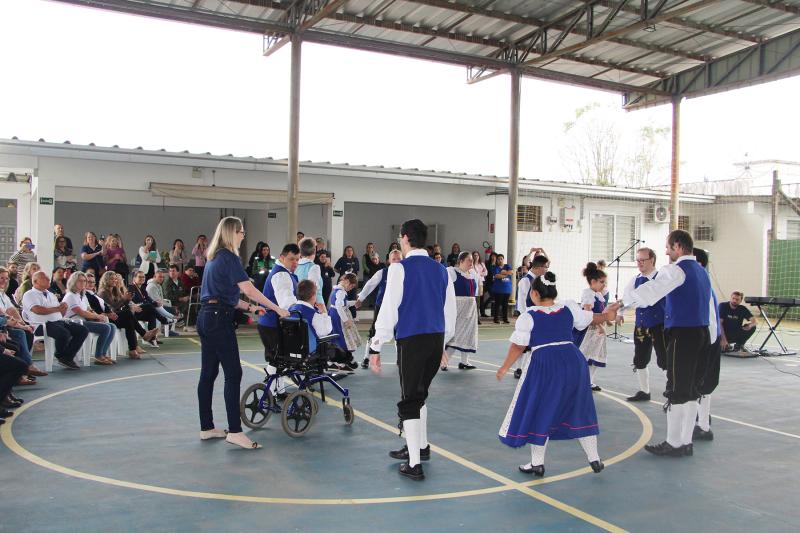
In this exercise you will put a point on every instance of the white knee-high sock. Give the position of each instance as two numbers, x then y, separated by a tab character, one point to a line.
592	371
366	349
644	379
589	445
423	420
537	454
689	418
411	430
704	412
465	358
278	384
675	425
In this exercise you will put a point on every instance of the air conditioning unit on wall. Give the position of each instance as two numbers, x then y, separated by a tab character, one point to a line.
657	213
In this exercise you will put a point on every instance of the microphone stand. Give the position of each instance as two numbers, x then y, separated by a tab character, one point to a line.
615	335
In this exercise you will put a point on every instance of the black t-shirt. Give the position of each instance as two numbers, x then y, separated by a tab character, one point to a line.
732	319
327	281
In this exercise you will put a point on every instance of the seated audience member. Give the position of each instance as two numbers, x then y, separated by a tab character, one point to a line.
12	369
156	294
62	255
178	256
732	314
27	273
190	278
146	304
18	331
173	290
92	254
25	254
41	308
114	256
112	291
57	285
13	281
78	307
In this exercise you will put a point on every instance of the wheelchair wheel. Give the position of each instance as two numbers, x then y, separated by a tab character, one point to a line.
252	416
347	410
316	407
298	413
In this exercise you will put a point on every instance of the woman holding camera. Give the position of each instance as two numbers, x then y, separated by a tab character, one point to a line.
24	255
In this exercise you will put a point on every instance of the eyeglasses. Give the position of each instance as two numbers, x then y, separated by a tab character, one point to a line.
642	260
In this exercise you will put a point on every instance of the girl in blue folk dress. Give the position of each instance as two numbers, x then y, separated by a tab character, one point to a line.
552	399
592	341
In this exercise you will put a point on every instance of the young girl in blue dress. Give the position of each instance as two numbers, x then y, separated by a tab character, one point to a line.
339	313
592	341
552	399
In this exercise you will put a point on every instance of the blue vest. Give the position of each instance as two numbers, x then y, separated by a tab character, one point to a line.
424	293
551	327
528	301
687	305
308	317
302	271
384	272
270	318
463	285
647	317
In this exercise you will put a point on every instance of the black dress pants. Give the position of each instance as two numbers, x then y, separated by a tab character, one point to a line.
69	337
418	359
686	351
645	340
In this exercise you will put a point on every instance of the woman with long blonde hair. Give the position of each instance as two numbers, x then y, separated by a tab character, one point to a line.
112	290
224	279
27	284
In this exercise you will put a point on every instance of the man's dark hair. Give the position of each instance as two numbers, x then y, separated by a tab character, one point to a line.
308	246
306	289
701	256
740	294
290	248
681	238
539	261
173	265
323	251
416	231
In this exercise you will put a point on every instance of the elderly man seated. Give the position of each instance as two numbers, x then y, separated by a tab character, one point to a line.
41	307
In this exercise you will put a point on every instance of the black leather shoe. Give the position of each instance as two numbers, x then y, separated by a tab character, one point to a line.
665	449
537	470
15	398
596	388
699	434
597	466
462	366
68	364
10	404
688	450
365	363
518	373
640	396
412	472
402	453
5	413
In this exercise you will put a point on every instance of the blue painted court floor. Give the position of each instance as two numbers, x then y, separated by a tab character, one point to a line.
117	449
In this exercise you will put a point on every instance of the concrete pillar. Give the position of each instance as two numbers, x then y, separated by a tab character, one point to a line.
336	230
501	224
676	164
292	207
43	218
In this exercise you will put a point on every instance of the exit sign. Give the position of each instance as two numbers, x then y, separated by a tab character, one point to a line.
337	213
44	200
272	215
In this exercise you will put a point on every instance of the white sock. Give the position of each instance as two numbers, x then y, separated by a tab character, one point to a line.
644	379
689	418
592	370
675	425
366	348
589	445
423	434
704	412
537	453
277	384
411	430
464	358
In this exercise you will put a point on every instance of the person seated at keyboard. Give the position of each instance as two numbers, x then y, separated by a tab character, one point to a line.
732	315
319	324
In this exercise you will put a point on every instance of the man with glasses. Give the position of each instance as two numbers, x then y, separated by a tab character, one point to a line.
649	326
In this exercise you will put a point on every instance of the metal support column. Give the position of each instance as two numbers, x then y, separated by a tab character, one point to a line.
776	201
676	163
513	169
293	186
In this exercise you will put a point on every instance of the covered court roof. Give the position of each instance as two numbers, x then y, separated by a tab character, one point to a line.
650	51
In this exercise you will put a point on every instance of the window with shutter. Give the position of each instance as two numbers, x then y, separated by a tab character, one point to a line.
529	218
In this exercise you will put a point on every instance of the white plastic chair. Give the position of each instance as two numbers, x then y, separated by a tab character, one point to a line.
49	348
119	345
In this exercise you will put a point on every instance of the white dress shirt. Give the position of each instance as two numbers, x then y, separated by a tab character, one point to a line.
371	284
340	304
36	297
669	278
393	297
523	289
581	319
75	301
284	288
321	323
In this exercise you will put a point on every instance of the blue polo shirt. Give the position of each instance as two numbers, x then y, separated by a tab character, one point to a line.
221	278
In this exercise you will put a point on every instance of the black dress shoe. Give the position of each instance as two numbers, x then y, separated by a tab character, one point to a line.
640	396
518	373
665	449
699	434
688	449
597	466
537	470
365	363
15	398
10	404
68	364
462	366
5	413
412	472
596	388
402	453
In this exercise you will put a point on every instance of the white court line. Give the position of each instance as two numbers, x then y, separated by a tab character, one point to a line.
726	419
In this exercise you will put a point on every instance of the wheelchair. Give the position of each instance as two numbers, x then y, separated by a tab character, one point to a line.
304	362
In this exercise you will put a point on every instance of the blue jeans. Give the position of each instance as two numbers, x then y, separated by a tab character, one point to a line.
24	353
218	346
105	334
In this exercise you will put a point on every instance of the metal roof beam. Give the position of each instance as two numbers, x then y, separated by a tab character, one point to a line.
531	21
773	59
548	53
301	15
778	5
